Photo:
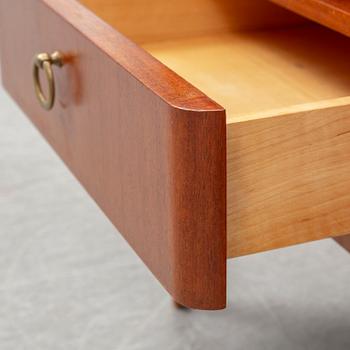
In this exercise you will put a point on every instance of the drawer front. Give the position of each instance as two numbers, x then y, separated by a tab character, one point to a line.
146	145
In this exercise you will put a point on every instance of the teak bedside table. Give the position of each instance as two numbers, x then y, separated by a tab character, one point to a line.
187	182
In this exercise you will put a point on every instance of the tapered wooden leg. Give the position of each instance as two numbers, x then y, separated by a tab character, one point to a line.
344	241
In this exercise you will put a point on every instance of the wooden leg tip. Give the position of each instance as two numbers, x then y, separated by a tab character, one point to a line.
179	306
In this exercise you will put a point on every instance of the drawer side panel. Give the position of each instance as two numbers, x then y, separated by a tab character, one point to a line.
289	178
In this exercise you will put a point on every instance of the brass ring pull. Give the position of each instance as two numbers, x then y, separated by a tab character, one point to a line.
45	61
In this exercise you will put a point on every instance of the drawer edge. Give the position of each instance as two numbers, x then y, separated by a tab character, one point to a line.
160	79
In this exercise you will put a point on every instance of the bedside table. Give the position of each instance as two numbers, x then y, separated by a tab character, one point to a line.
211	130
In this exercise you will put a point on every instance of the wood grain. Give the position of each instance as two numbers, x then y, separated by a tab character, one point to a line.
289	178
155	20
334	14
151	149
141	140
281	90
253	72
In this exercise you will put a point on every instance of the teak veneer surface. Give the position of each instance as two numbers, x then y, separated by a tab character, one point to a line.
124	124
334	14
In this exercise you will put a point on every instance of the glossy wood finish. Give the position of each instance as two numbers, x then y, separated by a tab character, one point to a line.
334	14
147	146
156	20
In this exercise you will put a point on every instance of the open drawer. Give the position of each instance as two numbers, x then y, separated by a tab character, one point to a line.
138	120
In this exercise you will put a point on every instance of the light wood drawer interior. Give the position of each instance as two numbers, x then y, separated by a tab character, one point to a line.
285	85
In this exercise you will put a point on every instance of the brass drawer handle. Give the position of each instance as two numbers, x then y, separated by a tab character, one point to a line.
45	61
